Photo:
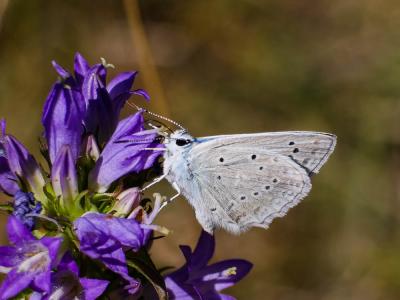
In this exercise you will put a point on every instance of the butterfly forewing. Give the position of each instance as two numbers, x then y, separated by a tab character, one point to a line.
308	149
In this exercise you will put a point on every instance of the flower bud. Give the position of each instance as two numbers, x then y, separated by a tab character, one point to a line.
126	202
64	178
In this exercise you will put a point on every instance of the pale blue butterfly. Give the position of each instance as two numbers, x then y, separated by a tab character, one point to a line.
240	181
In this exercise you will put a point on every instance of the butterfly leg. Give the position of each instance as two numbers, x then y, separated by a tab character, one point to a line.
168	201
155	180
176	187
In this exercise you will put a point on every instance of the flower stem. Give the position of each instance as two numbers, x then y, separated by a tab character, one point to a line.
151	77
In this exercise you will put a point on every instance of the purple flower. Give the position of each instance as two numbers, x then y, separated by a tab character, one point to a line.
125	153
62	119
28	261
125	202
64	179
101	104
100	119
81	67
66	283
8	181
25	204
90	148
197	280
22	165
104	237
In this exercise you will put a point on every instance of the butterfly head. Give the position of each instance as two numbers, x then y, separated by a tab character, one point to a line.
179	141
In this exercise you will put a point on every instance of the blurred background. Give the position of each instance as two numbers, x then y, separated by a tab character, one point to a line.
242	66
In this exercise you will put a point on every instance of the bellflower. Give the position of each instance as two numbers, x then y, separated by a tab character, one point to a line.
28	261
81	67
103	103
90	148
98	118
63	120
8	181
125	202
102	237
125	152
67	284
197	280
65	180
23	165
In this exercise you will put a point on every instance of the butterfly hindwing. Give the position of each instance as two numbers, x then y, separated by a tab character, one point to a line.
248	188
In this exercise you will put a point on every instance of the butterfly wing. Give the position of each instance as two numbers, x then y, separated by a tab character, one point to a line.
240	181
307	148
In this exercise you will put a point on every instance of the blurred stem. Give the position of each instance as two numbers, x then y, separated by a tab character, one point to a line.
3	6
151	78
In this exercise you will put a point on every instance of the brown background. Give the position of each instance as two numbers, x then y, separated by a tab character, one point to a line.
249	66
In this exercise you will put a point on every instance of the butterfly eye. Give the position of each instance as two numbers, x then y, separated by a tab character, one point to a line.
182	142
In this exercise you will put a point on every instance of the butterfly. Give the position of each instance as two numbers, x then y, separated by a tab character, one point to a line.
239	181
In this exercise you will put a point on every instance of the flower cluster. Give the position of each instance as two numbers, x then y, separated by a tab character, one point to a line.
78	226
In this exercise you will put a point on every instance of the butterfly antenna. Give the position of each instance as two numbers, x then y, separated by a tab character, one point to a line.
156	115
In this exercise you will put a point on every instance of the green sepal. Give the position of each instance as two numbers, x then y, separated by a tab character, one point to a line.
103	202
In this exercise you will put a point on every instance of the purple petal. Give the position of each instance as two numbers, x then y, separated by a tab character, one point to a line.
213	295
64	177
23	164
60	70
126	231
142	93
36	296
2	128
121	84
8	181
93	288
102	236
181	291
226	297
221	275
98	244
128	126
92	83
187	253
113	259
62	119
125	153
17	232
8	256
126	201
119	90
14	283
101	72
53	245
42	282
65	285
133	287
203	251
90	148
68	263
81	67
100	118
